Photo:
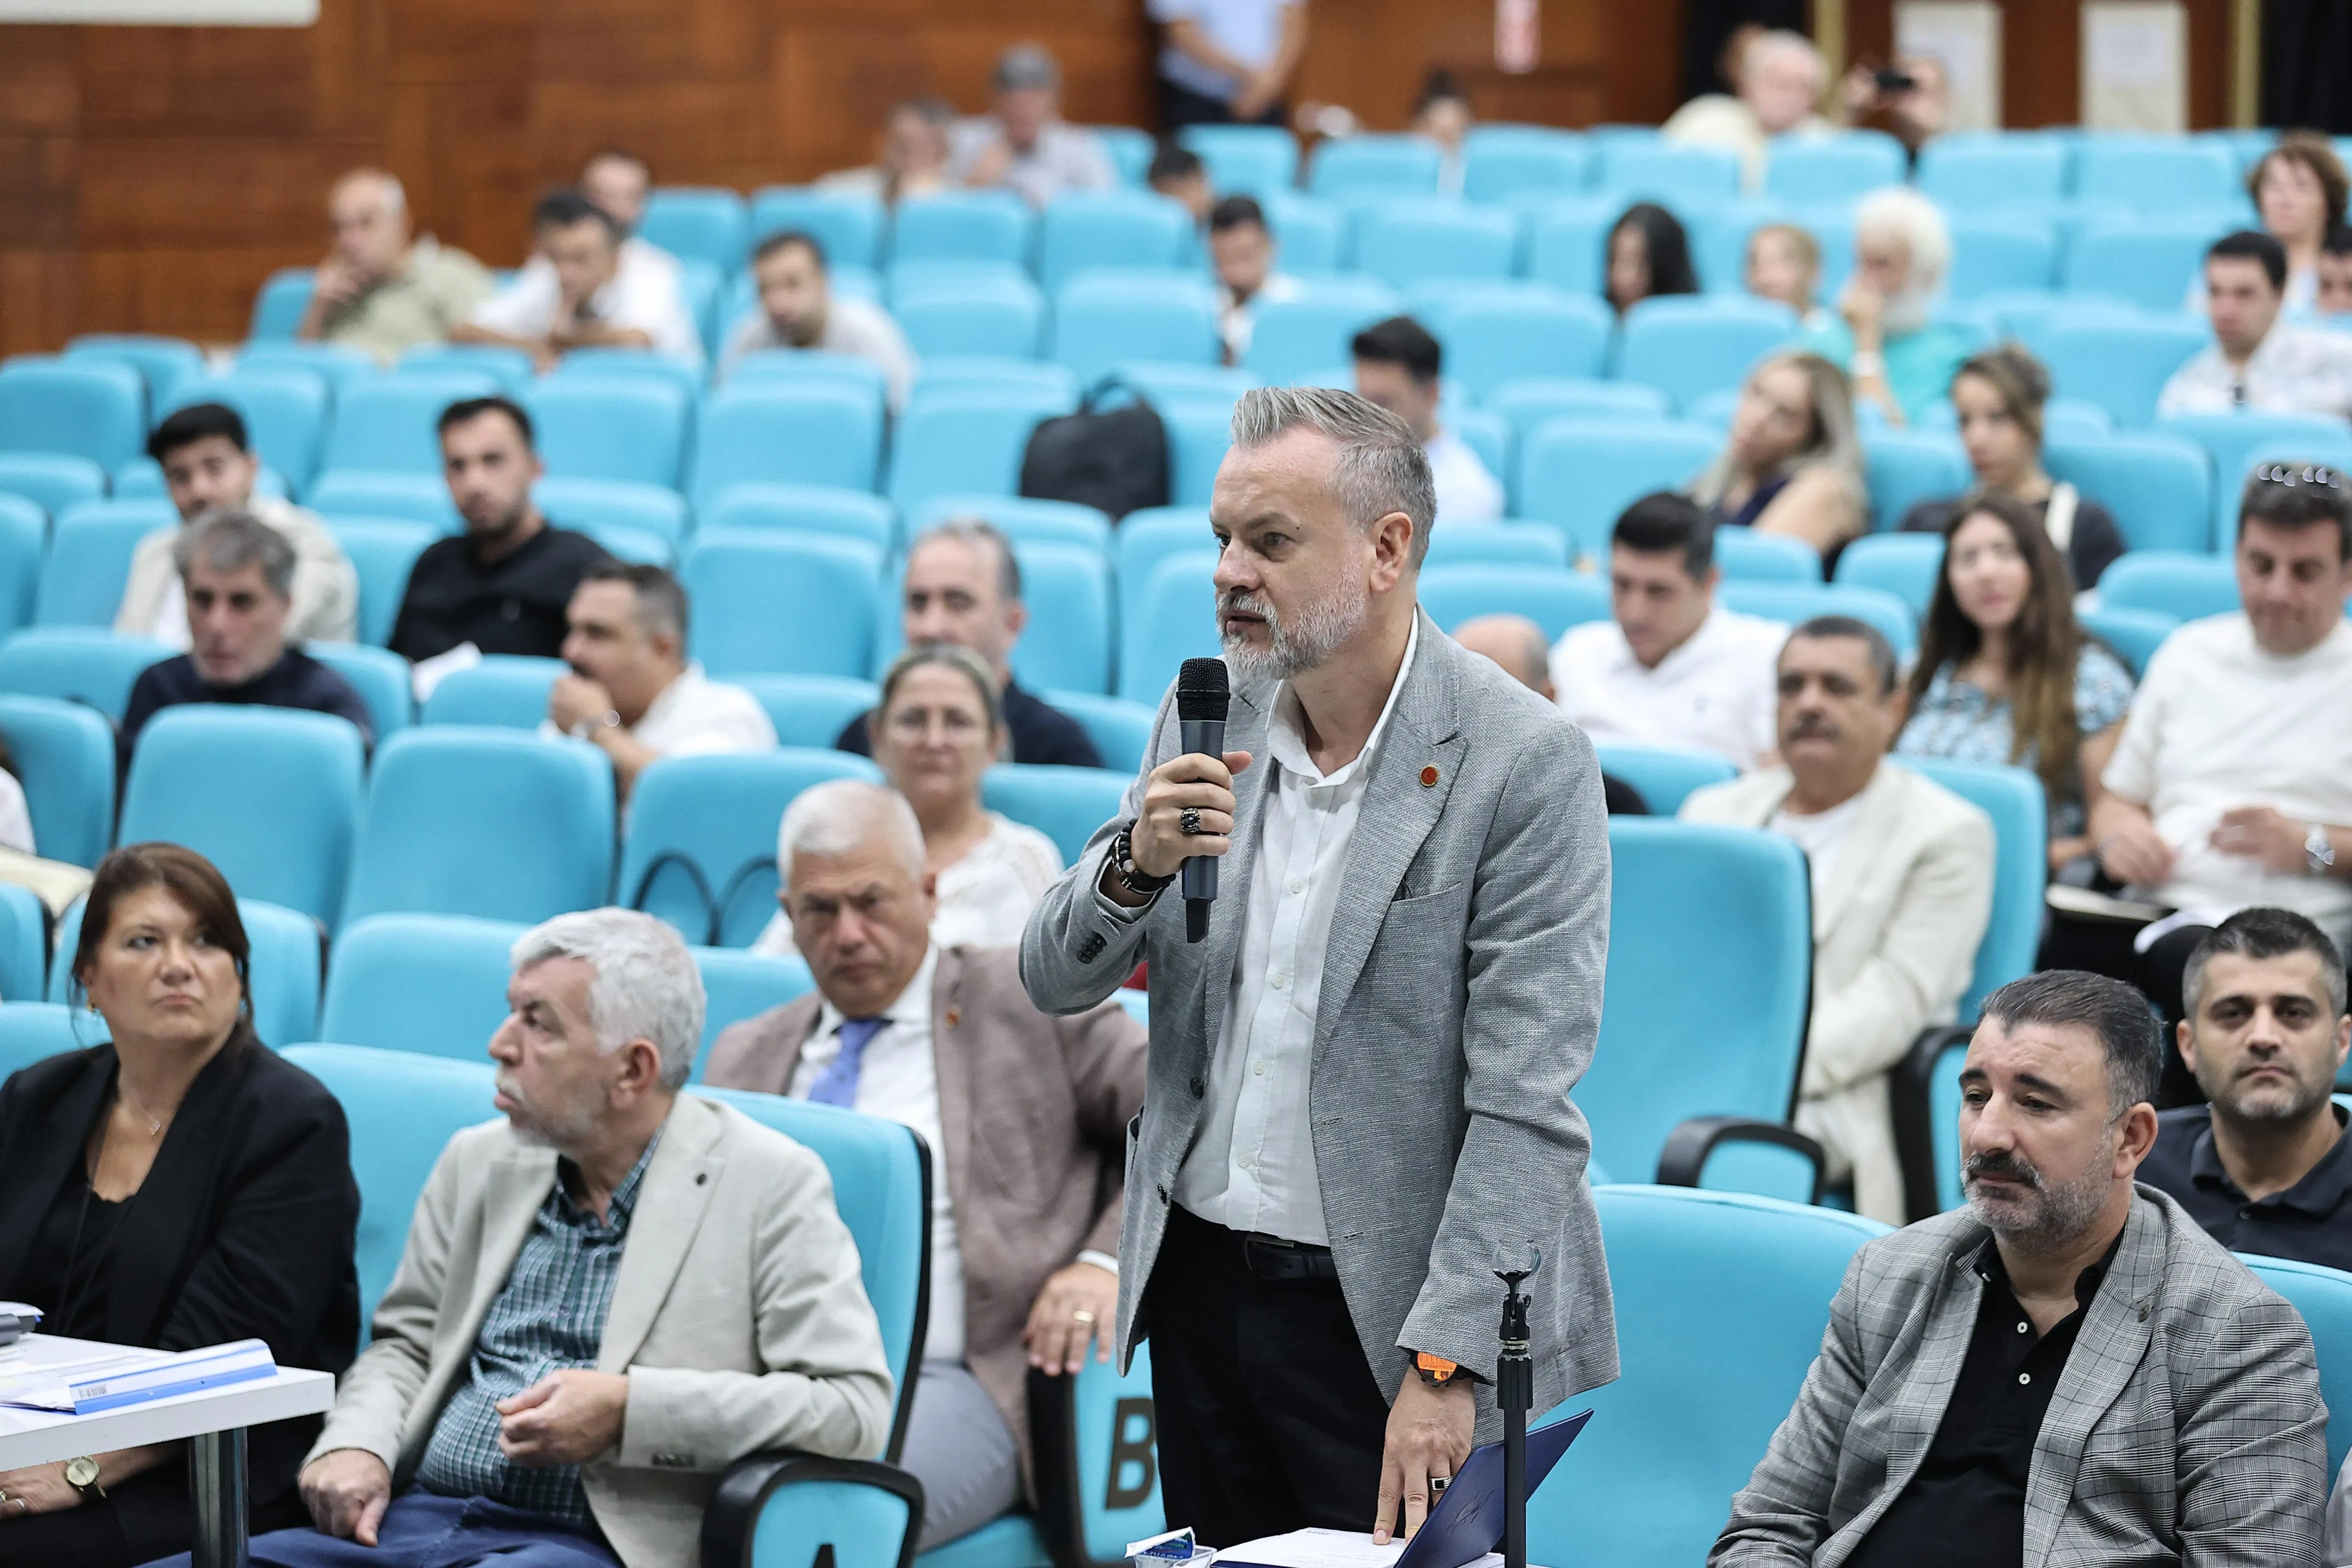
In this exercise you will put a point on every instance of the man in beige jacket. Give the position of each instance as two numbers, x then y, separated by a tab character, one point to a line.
1901	882
607	1297
209	464
1026	1116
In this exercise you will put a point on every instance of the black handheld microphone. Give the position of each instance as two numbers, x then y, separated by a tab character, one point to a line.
1202	694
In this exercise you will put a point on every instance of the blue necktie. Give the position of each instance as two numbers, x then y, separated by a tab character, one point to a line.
837	1084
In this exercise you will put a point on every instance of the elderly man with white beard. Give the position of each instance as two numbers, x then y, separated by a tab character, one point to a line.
2066	1370
1883	334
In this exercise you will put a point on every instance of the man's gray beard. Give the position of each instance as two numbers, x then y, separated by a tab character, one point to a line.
1905	313
535	1126
2066	1209
1303	643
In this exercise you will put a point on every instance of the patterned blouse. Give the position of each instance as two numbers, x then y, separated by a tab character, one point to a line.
1956	721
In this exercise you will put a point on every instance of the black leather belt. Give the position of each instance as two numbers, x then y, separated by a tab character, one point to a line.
1271	1257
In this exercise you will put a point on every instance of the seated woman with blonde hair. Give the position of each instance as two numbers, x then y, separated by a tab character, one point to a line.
1793	463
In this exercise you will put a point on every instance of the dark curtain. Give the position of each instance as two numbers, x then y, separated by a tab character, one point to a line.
1707	23
2308	64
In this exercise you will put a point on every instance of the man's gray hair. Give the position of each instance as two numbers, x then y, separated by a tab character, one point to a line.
979	534
229	539
840	817
1382	467
395	195
646	985
1902	212
1027	67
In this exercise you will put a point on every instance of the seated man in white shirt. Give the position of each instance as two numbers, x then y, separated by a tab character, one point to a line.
631	691
1397	367
1671	668
208	466
594	291
798	309
2257	360
1779	81
1242	249
2232	784
1026	147
1901	886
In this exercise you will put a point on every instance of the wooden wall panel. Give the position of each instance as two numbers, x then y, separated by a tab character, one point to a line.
2041	57
151	177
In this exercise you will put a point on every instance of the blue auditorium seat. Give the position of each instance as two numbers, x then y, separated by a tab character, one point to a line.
737	985
812	364
701	846
1148	535
1160	380
2133	635
382	678
2185	585
1172	617
600	505
1695	344
382	550
2013	798
848	226
1068	643
1259	161
599	427
24	952
975	317
2231	440
387	425
1503	162
1905	565
282	968
1663	777
1120	729
2119	364
1129	151
483	822
52	480
1529	400
960	440
706	224
1524	544
2323	1298
630	365
32	1030
279	304
511	368
782	602
2156	174
1970	172
89	559
752	506
271	796
414	498
1904	468
1109	228
2294	452
94	409
964	372
2159	486
284	412
163	363
1307	232
432	984
1706	1375
1500	337
1577	474
811	710
1796	602
1840	168
24	536
1105	317
1566	241
787	433
1296	338
1992	253
962	225
1658	171
1199	433
505	691
1402	243
65	758
1374	166
341	368
1552	597
1747	556
1065	804
2149	261
83	664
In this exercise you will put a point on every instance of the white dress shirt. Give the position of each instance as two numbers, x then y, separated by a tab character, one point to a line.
1716	693
898	1079
2293	370
698	716
1466	493
1252	1167
643	294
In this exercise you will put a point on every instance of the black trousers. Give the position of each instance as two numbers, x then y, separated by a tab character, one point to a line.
1181	107
1269	1419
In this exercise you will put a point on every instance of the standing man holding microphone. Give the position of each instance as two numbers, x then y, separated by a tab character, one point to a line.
1358	1105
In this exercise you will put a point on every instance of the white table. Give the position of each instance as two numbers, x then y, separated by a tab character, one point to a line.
211	1420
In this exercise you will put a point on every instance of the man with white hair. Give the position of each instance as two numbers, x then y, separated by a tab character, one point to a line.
1025	1115
1781	81
1884	337
1025	146
383	290
607	1297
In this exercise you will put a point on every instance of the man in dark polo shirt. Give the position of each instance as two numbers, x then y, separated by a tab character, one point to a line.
2264	1167
504	584
963	586
238	573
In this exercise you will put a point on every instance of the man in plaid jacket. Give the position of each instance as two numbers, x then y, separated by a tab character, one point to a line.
2067	1371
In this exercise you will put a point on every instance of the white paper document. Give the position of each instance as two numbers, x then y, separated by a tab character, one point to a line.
1325	1549
77	1383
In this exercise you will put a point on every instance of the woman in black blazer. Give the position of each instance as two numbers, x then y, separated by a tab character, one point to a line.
181	1187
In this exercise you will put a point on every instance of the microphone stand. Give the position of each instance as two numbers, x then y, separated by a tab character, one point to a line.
1515	1395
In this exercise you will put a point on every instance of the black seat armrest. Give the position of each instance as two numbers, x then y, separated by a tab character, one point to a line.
1910	1088
1692	1140
730	1520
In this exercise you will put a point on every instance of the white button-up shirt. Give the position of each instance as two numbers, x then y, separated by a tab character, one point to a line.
1252	1167
1716	693
2293	370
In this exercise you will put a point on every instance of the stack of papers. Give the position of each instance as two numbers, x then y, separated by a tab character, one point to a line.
1326	1549
83	1385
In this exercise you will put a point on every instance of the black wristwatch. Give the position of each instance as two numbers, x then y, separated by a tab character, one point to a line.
1130	876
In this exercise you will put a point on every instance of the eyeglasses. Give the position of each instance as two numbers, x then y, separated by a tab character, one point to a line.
2314	476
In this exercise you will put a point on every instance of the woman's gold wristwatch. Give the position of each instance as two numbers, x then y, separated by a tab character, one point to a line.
81	1474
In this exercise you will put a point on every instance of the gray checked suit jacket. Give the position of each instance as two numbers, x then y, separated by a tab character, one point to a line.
2186	1427
1461	997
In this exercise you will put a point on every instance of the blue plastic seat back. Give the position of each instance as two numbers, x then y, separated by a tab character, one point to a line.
484	821
1708	1374
809	710
1694	344
506	691
737	985
1120	729
1495	339
280	305
1579	472
387	425
1905	565
403	1109
781	603
2013	799
1498	169
1374	166
787	432
1148	536
2159	486
1105	1488
1065	804
409	497
32	1031
984	318
2151	262
2134	635
271	796
2120	365
339	367
1291	338
1023	519
882	1177
1529	400
89	559
78	664
706	224
1905	467
2156	174
1258	160
381	677
1129	151
24	536
813	364
1664	776
1172	618
2293	452
24	947
1682	177
2324	1297
1566	241
511	368
1726	1042
702	836
962	226
94	409
2231	440
282	968
1307	232
285	411
1200	433
1552	597
1833	168
595	506
848	226
969	371
1109	228
65	758
1747	556
1529	544
1410	242
1103	318
811	509
1799	601
1994	253
52	480
602	427
434	984
633	364
1965	172
960	442
2185	586
163	363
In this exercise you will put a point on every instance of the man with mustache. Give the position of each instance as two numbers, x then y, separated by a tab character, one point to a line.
2264	1167
1357	1100
1902	884
2067	1370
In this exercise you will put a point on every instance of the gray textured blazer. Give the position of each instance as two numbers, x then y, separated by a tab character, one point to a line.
2186	1427
1461	997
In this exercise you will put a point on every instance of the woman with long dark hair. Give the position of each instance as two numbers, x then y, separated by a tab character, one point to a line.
1647	255
2006	674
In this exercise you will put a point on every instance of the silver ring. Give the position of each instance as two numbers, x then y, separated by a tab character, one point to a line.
1437	1484
1190	819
